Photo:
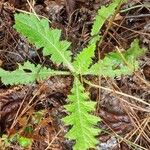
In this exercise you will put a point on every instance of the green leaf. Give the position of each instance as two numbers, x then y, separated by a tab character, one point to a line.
94	39
84	59
108	68
116	64
24	142
134	51
4	141
38	116
102	15
38	32
29	129
83	130
27	73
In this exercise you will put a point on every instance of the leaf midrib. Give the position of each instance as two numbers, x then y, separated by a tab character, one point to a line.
69	65
78	103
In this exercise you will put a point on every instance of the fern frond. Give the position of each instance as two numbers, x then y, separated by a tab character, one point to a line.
103	14
116	64
82	122
38	33
27	73
84	59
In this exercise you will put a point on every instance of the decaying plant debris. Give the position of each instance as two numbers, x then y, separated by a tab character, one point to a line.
122	115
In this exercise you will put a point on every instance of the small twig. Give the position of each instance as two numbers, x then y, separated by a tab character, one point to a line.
137	16
146	5
53	139
32	9
117	92
30	13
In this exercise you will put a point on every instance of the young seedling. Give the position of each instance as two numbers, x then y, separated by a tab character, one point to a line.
80	107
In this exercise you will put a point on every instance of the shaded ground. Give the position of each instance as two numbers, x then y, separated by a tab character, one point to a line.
125	120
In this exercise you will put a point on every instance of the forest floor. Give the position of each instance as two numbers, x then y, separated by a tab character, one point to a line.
125	117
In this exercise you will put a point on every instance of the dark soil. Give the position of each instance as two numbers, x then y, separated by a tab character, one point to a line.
125	120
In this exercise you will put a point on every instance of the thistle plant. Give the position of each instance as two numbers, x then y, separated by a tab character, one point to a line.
83	123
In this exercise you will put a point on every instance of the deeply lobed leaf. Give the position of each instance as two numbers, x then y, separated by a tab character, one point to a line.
84	59
83	130
116	64
27	73
103	14
38	33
